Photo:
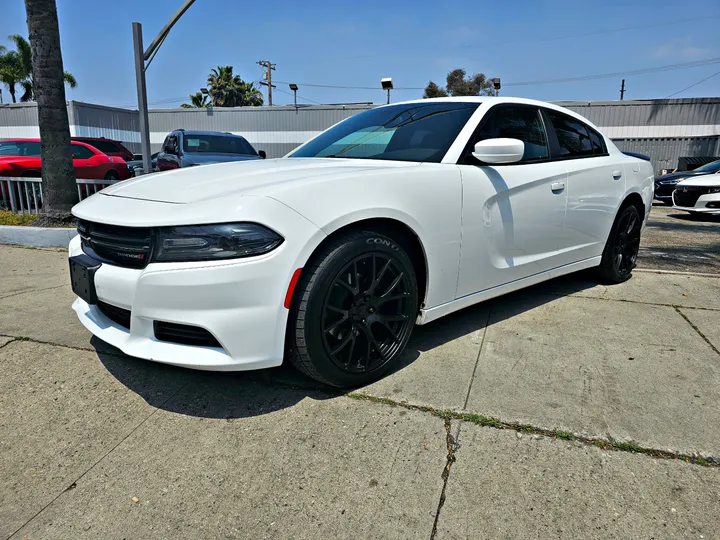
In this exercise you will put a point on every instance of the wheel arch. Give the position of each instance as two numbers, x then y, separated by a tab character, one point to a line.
399	230
634	199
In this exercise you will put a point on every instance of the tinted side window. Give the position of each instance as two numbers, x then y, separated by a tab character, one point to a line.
106	147
522	123
572	136
80	152
245	147
597	141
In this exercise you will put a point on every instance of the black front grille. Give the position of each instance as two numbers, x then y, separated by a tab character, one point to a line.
688	195
185	334
128	247
115	314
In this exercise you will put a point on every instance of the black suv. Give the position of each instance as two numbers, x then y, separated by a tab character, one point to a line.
185	148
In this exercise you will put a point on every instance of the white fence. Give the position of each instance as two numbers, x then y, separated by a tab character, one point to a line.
25	195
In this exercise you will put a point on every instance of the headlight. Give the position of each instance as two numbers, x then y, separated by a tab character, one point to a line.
714	190
670	182
214	242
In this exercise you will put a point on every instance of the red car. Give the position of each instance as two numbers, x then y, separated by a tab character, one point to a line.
107	146
21	157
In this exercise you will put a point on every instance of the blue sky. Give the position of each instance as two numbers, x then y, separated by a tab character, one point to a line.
356	44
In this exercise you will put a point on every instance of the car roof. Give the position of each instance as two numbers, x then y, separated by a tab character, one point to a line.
200	132
94	139
497	100
26	139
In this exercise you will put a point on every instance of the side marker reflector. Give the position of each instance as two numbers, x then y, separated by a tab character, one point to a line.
291	288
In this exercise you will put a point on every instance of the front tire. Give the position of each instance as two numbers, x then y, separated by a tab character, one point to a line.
353	310
622	247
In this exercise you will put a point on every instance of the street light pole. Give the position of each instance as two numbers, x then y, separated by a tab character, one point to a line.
142	97
141	57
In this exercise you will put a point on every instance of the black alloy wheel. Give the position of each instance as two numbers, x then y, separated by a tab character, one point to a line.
353	310
365	315
622	248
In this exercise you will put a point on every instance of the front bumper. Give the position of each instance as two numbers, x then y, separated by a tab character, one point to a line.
706	204
240	302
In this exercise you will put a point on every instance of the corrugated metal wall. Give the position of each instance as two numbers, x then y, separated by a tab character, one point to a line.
277	130
88	120
664	153
663	129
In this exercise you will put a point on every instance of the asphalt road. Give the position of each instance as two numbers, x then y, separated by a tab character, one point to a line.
673	240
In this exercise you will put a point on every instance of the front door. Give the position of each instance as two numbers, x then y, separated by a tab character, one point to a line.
512	214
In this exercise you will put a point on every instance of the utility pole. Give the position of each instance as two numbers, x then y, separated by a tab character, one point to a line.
622	90
270	67
143	58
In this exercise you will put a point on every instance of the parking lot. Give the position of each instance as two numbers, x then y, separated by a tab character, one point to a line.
568	410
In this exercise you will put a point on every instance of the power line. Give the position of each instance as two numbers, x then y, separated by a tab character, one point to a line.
299	96
692	85
642	71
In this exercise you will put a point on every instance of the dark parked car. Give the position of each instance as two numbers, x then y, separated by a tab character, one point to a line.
665	185
187	148
107	146
137	163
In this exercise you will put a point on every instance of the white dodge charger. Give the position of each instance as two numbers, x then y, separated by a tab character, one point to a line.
329	256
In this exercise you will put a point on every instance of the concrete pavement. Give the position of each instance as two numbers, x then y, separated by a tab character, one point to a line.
551	412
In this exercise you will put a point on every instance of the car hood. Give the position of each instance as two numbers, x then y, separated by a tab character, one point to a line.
203	158
256	177
707	180
676	176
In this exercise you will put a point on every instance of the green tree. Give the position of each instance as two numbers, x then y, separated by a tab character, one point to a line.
16	68
58	173
198	100
228	90
458	84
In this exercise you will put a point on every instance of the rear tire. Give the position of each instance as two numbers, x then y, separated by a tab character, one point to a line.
353	310
623	243
112	175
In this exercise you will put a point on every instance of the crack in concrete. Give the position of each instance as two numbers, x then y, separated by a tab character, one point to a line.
713	347
575	295
72	347
452	447
487	421
477	360
31	291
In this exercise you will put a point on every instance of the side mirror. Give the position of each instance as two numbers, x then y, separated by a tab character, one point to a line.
262	154
498	151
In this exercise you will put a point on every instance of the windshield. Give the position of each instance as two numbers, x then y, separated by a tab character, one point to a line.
709	168
20	148
217	144
410	132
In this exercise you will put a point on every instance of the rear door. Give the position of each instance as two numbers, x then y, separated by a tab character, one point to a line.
512	214
595	185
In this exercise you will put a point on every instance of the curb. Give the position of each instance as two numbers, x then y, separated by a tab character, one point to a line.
36	236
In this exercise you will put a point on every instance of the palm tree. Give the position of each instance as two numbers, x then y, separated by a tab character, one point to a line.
228	90
47	86
16	69
198	100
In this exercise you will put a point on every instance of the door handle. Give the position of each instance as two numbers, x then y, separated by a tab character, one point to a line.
617	175
557	186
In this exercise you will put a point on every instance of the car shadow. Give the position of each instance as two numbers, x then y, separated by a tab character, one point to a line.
228	395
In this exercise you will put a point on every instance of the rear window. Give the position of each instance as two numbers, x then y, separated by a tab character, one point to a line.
572	136
107	147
